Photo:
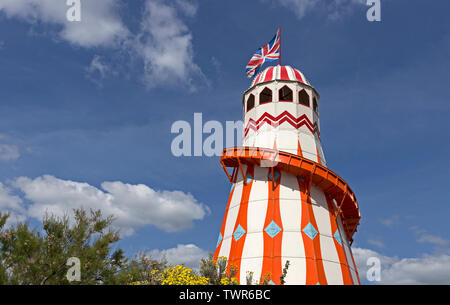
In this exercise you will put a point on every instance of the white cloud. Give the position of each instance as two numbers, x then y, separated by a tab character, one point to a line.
188	255
12	204
165	45
299	7
9	152
433	239
187	7
427	269
97	70
100	23
390	222
424	237
376	243
335	9
134	206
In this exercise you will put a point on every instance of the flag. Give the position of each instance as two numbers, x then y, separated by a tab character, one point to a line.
269	52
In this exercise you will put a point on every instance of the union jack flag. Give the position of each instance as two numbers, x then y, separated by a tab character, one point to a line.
269	52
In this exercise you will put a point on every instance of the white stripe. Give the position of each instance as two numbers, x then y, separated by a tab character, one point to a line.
292	247
232	214
253	251
304	78
290	73
307	144
277	74
330	258
347	251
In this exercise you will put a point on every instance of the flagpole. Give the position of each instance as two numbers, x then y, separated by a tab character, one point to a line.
279	58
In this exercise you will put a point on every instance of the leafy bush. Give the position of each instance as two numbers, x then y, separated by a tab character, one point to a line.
39	257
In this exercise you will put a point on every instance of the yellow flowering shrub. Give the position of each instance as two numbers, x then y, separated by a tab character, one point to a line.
229	281
211	272
181	275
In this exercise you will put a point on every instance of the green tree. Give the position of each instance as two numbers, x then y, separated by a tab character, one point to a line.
32	257
142	270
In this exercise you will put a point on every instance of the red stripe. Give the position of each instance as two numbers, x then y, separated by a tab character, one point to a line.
356	269
272	264
298	75
318	155
255	62
315	272
299	149
238	246
269	75
256	79
284	75
346	275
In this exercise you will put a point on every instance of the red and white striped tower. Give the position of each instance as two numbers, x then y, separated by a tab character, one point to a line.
285	204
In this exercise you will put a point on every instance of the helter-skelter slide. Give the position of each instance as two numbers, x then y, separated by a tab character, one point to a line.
284	203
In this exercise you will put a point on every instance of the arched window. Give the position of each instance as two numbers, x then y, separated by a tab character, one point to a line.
265	96
315	106
303	98
250	102
285	94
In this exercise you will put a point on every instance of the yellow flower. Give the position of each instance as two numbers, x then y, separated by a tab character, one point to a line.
181	275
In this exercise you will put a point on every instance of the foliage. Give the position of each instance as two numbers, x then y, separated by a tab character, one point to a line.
31	257
266	279
216	271
38	257
283	276
142	270
180	275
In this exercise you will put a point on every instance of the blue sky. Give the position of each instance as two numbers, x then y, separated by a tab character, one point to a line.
94	101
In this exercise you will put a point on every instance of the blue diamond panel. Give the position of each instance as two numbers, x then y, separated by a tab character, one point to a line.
271	282
238	233
337	236
219	239
249	178
276	175
272	229
310	231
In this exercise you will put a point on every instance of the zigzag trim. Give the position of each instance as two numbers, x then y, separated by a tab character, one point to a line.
267	118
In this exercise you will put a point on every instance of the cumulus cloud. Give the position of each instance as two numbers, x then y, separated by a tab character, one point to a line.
12	204
98	70
162	43
188	255
427	269
100	25
133	206
335	9
9	152
165	45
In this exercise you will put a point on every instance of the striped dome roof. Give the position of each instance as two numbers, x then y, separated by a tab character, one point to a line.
280	73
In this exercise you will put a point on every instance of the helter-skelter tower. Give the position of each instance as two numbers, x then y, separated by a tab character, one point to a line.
284	203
